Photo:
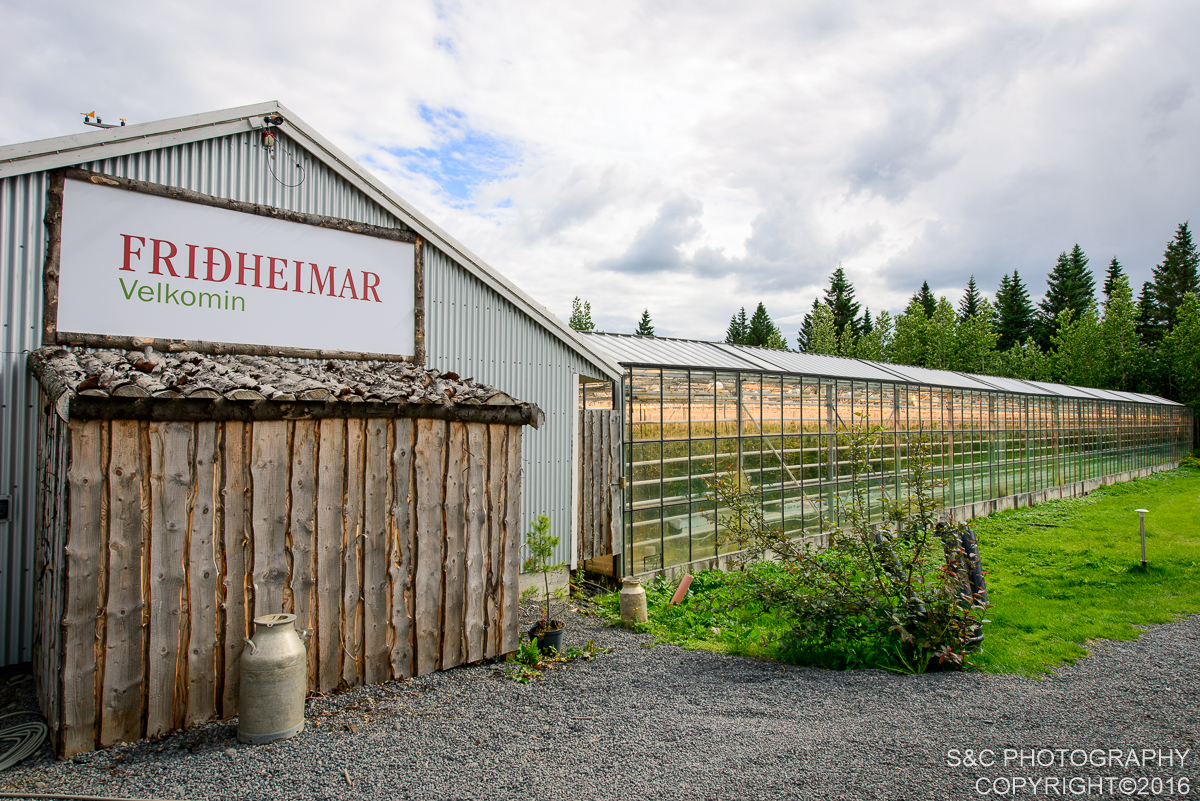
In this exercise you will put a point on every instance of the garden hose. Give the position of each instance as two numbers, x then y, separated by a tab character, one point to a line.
69	797
26	738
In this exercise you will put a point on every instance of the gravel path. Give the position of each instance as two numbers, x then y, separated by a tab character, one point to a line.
661	722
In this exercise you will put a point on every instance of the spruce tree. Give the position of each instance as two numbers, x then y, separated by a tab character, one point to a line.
1070	285
1110	278
968	307
866	325
1146	313
926	299
738	329
1014	312
804	337
762	330
581	315
840	300
1175	278
644	329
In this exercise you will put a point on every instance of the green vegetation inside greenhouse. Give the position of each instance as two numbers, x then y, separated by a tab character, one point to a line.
1060	576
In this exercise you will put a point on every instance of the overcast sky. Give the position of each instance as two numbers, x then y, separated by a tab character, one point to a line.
690	157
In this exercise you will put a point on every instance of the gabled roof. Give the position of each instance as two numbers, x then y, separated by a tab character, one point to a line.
65	151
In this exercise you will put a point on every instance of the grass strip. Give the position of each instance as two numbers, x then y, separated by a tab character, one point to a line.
1060	576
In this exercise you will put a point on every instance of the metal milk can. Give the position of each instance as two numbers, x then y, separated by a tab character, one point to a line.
274	682
633	602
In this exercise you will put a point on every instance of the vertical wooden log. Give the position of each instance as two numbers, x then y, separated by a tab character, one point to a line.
376	505
400	558
302	523
170	481
497	450
476	562
331	480
596	457
614	534
429	456
202	575
510	595
452	559
43	581
86	480
269	514
352	554
122	700
236	503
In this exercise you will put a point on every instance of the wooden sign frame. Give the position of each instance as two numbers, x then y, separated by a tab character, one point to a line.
52	336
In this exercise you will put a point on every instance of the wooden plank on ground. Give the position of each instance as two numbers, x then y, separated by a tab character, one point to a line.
476	534
510	596
331	472
202	573
429	456
497	455
85	520
268	514
302	524
236	507
376	511
123	697
171	484
352	548
452	560
400	556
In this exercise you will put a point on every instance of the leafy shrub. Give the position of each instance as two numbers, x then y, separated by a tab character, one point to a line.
887	595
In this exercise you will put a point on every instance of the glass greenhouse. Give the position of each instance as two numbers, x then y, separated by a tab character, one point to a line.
784	420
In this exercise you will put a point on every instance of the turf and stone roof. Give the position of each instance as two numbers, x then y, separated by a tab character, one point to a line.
263	387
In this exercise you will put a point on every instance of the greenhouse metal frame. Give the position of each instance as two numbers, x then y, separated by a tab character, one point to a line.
788	422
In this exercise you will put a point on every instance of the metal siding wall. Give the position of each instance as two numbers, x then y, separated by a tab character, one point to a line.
473	331
22	252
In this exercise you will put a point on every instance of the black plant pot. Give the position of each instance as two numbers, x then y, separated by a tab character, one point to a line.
548	641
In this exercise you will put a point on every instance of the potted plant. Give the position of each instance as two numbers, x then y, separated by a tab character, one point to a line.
548	632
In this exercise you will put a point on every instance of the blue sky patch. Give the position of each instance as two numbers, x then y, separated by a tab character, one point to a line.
463	158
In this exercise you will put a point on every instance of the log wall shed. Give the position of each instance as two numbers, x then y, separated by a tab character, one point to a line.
390	528
473	321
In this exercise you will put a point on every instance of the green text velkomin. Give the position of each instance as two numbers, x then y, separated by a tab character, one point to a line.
162	293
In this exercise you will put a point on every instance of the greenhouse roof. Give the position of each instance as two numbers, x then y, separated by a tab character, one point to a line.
667	352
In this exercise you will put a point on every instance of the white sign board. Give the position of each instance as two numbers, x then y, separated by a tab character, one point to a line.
138	265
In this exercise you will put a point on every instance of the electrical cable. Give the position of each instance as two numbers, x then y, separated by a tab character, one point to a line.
27	737
278	180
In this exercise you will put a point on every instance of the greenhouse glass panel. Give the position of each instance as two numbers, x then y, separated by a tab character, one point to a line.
800	443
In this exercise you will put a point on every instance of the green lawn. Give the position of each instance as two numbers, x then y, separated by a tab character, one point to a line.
1053	589
1059	575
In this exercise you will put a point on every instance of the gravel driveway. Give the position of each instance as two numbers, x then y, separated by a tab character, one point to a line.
661	722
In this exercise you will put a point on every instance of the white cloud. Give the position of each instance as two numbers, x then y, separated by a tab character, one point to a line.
690	158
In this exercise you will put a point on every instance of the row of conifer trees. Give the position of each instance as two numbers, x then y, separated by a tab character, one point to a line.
1074	335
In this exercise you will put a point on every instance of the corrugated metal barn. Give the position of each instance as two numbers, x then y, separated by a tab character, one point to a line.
476	323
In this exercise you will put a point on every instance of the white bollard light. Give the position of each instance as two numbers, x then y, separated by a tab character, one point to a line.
1142	518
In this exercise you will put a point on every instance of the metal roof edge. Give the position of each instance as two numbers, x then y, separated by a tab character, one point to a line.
63	151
